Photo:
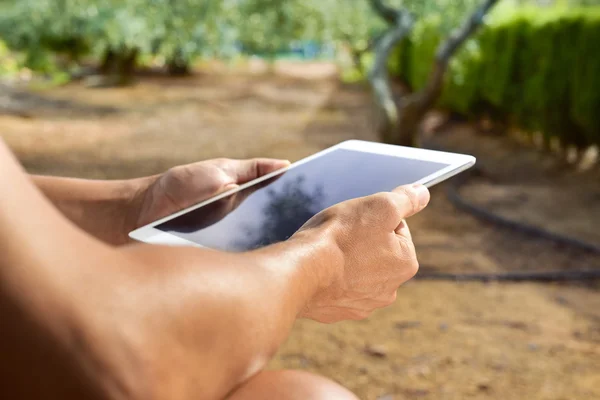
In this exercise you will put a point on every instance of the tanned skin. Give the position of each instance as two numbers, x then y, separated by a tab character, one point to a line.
86	315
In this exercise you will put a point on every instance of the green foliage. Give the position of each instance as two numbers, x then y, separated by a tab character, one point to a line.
8	62
427	34
447	14
351	22
462	87
538	69
42	29
268	26
56	35
42	26
585	88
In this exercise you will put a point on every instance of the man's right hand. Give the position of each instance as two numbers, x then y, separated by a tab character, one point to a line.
375	253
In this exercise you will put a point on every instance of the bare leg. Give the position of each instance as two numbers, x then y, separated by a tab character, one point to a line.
290	385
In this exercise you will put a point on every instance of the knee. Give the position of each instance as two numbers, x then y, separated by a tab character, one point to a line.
291	385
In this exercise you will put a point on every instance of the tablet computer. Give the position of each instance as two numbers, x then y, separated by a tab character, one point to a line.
272	208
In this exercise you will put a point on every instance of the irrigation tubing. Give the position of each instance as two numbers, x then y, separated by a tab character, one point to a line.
485	215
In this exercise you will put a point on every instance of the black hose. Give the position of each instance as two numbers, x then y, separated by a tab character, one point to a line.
539	276
453	194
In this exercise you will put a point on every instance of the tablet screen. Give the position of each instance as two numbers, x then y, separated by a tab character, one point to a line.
273	210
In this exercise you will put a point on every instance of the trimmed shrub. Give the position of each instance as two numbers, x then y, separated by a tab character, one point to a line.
535	69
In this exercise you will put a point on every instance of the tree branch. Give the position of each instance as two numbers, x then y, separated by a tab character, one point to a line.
379	75
387	13
427	97
457	37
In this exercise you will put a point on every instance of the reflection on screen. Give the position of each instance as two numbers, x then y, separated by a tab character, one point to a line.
273	210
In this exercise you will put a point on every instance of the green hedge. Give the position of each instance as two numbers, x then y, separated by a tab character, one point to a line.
537	69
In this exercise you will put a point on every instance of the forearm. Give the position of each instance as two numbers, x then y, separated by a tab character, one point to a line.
140	321
98	207
171	322
230	314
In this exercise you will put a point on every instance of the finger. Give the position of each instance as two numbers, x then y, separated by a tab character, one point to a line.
242	171
410	199
233	201
243	194
390	208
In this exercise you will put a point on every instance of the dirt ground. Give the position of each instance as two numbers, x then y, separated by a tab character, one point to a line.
441	340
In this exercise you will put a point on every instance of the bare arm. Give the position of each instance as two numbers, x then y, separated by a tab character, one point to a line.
182	314
86	320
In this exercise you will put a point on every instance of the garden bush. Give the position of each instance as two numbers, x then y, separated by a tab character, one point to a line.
537	69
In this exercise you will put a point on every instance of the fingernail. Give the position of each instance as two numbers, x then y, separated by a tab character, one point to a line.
422	194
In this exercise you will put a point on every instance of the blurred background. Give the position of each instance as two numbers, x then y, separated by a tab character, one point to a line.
507	302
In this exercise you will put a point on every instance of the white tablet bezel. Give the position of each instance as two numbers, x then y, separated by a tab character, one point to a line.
456	164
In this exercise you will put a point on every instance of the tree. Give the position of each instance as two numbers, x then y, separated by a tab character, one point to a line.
176	31
187	29
401	117
39	28
267	27
114	32
353	25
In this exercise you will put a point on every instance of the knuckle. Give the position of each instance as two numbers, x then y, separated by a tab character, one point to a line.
329	215
390	298
179	171
323	319
411	269
386	299
179	175
358	315
384	201
414	268
332	212
406	248
408	256
222	161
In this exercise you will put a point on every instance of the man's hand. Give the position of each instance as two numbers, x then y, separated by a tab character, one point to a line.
186	185
109	210
374	249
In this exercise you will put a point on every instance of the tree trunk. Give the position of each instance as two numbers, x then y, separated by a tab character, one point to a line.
426	98
175	68
402	117
127	64
177	65
117	68
108	60
357	61
410	115
388	117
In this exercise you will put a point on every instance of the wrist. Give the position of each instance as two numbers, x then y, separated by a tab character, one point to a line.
135	192
308	259
323	258
107	209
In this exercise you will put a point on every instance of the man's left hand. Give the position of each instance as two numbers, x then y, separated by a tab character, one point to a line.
186	185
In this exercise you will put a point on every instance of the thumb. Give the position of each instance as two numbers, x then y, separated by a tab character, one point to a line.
242	171
411	199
